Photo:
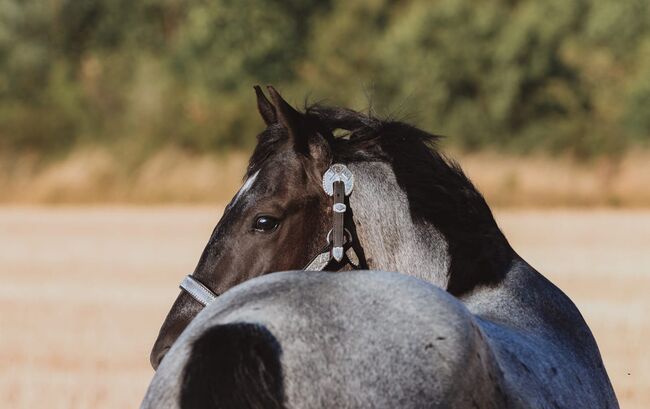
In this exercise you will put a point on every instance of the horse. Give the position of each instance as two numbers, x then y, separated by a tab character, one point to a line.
296	340
409	209
366	339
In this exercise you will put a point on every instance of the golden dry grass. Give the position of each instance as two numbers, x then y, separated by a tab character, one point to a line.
84	291
172	176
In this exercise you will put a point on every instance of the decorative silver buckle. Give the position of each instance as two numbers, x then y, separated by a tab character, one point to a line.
347	235
338	172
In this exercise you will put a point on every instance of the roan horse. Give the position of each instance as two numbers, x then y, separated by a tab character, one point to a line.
414	212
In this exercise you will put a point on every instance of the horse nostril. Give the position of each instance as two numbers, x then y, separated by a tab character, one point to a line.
158	357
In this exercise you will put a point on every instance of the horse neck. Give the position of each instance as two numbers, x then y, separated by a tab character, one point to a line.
391	240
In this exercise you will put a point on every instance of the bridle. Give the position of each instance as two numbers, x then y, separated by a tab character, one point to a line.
341	247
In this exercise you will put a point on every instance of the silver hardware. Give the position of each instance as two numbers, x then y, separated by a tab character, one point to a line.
338	173
319	263
347	234
197	290
337	253
352	256
339	207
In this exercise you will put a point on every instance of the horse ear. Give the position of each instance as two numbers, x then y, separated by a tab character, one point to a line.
264	106
292	120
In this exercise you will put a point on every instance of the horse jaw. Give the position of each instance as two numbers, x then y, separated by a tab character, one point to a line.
392	241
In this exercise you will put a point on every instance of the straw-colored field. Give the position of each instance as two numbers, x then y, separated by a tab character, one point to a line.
84	290
172	176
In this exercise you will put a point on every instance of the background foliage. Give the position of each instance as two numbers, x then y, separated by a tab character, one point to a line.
552	75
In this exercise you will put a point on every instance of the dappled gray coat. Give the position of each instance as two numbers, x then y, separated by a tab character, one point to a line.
373	339
473	326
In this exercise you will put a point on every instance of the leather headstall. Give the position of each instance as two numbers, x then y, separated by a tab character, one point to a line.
341	249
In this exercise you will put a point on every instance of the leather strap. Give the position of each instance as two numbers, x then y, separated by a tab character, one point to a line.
358	260
338	220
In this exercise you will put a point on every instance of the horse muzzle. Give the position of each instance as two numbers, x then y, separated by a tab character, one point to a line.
185	308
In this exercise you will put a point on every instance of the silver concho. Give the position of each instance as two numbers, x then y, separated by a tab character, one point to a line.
339	207
338	172
337	253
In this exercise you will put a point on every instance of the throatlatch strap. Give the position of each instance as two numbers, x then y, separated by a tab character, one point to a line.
197	290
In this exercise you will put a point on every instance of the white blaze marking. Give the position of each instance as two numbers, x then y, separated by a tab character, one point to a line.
246	187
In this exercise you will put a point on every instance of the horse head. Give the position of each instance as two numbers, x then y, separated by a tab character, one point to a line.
277	221
411	210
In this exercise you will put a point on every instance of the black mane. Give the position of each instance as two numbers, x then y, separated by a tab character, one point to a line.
437	189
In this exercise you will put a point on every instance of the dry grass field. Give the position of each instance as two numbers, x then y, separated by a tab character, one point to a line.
97	176
84	290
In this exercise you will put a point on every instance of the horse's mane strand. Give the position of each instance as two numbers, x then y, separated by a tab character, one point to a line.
438	190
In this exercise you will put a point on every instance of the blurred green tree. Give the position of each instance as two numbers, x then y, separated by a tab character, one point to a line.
520	75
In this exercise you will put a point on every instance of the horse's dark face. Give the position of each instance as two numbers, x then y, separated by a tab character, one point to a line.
277	221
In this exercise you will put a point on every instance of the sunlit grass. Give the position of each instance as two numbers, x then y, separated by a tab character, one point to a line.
174	176
84	291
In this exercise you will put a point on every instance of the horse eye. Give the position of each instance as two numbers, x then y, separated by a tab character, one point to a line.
266	224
